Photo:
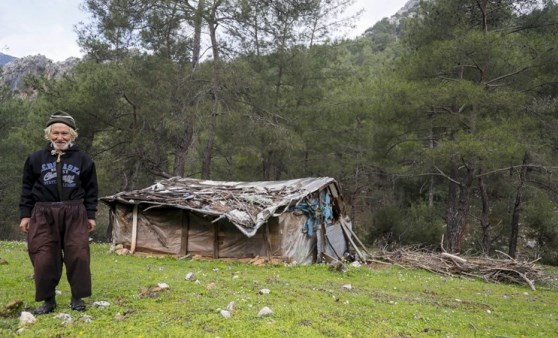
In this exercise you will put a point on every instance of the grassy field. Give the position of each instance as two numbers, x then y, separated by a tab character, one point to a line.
306	301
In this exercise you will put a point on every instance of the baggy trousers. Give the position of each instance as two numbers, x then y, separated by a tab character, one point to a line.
58	234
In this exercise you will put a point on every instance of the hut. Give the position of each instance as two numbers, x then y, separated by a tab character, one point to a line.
300	220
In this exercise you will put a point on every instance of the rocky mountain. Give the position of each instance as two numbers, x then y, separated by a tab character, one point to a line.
408	10
388	30
13	73
5	58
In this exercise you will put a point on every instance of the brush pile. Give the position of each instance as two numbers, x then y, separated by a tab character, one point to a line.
506	270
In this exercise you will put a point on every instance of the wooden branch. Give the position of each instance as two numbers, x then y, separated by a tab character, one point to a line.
454	257
446	176
548	170
488	83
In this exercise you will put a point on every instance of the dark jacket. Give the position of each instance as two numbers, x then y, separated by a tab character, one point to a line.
79	180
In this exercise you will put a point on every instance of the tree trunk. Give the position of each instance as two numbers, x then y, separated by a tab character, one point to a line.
181	151
267	165
512	249
458	209
208	151
208	148
198	20
431	185
485	224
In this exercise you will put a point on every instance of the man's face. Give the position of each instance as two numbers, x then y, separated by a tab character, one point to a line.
60	136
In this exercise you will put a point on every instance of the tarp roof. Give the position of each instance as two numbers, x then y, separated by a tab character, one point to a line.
248	205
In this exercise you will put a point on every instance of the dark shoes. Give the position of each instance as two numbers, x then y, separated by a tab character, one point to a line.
48	306
77	304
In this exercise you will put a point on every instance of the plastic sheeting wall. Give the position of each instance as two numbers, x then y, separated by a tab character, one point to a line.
158	230
177	232
295	245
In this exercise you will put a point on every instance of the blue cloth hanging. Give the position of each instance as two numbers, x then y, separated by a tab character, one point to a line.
309	209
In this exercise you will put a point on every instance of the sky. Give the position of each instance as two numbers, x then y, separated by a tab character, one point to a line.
31	27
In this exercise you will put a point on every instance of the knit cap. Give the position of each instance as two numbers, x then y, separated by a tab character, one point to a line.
62	117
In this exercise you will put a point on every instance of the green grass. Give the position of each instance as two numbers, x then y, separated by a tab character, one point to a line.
307	301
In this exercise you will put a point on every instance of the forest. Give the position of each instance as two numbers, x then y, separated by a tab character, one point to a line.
441	126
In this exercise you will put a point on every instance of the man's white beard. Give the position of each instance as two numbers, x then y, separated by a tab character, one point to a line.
64	147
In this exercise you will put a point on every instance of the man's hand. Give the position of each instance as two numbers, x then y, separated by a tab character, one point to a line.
24	224
92	224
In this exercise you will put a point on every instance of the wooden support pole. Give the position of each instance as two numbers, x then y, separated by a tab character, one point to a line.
185	220
216	240
134	229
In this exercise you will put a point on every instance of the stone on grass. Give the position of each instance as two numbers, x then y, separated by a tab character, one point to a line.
66	318
27	318
190	276
347	287
225	314
163	286
101	304
264	292
86	318
265	311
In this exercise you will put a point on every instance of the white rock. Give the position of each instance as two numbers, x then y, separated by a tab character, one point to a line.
264	292
347	287
163	286
101	304
225	314
190	276
86	318
27	318
356	264
66	318
265	312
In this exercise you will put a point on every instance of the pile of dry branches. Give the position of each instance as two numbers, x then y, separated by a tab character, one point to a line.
492	270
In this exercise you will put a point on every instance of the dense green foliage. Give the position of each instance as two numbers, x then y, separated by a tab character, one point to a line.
306	301
440	125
